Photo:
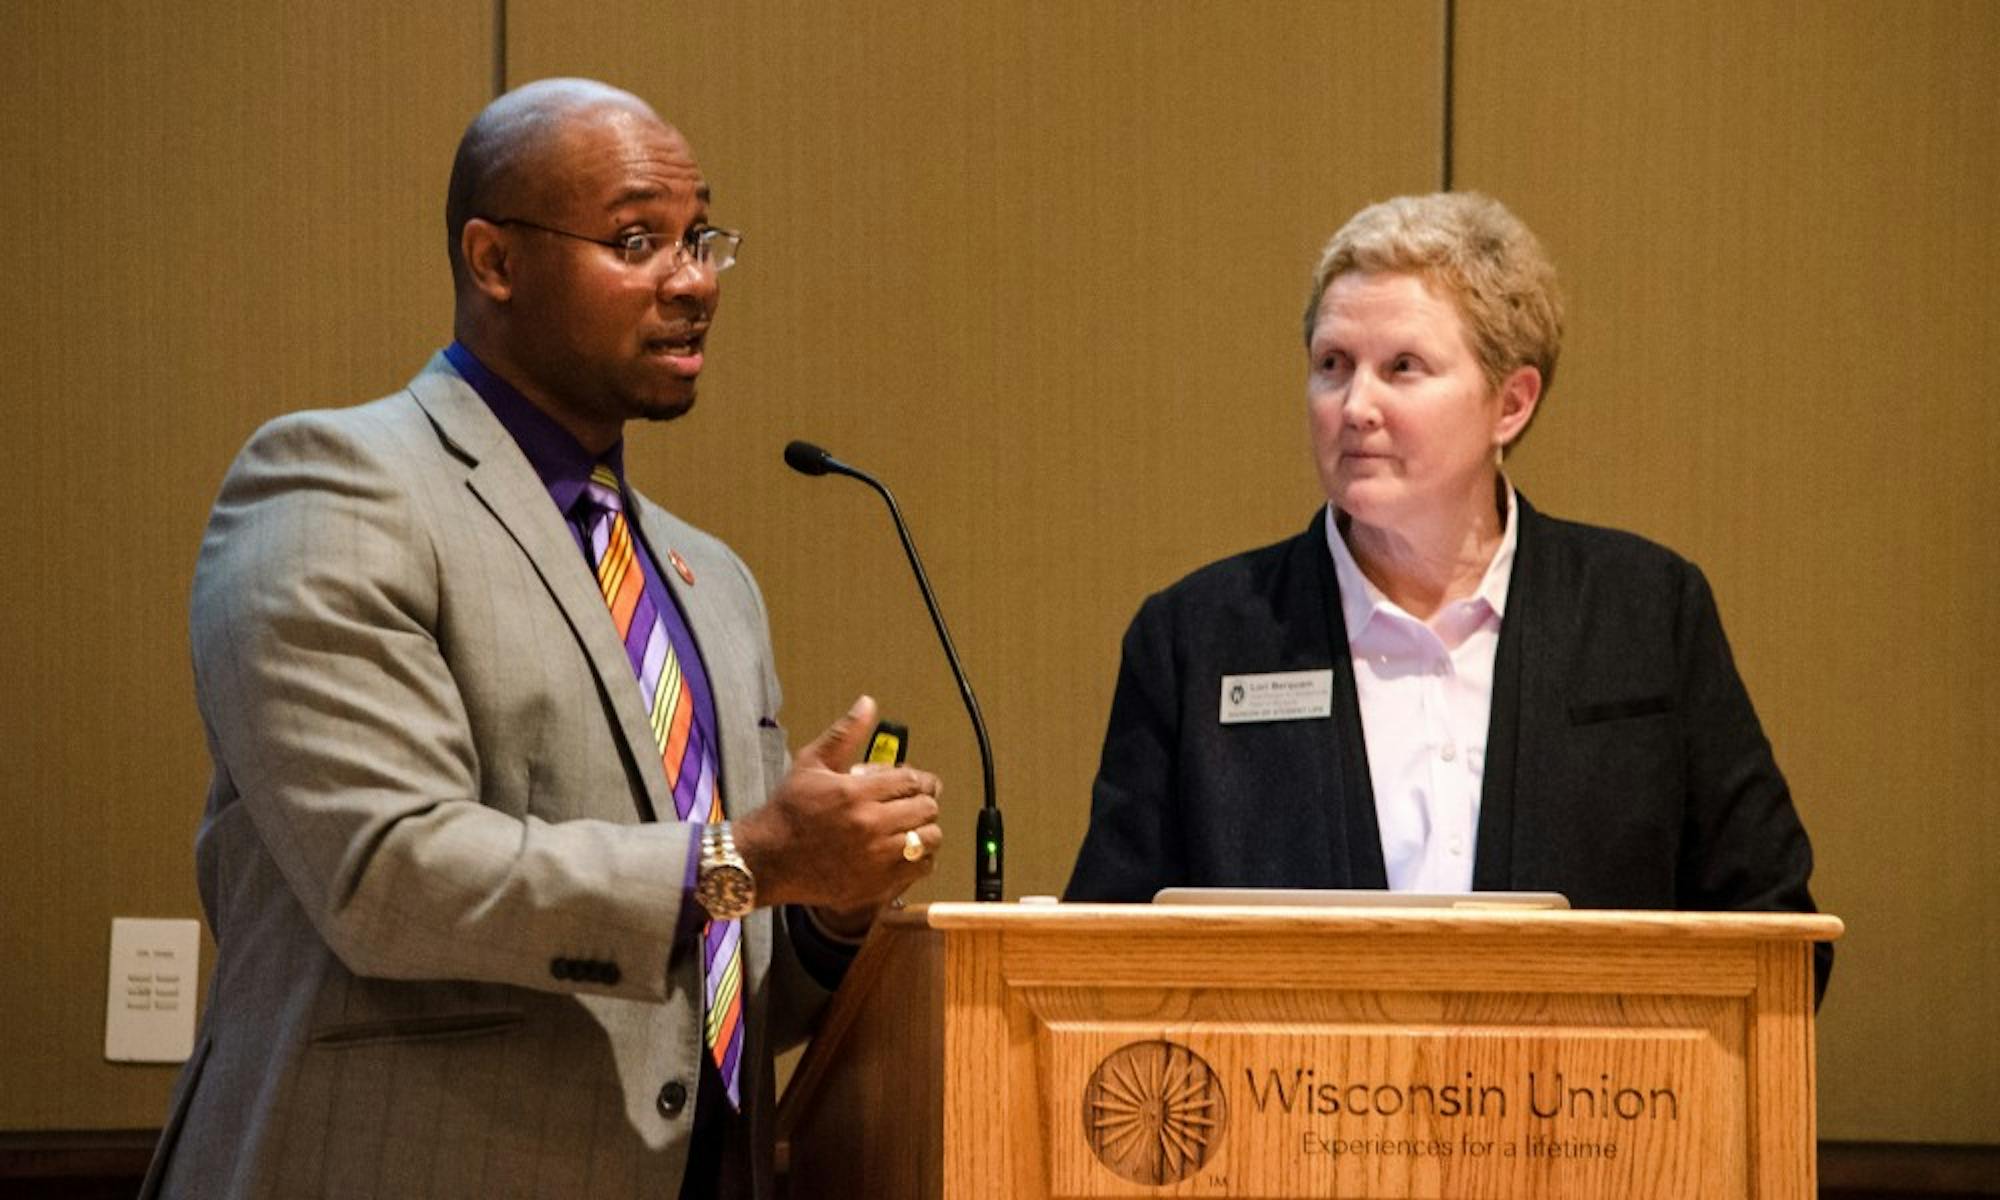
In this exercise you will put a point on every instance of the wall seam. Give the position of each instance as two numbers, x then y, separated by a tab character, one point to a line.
499	47
1449	97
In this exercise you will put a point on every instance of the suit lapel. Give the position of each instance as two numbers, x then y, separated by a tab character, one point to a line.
1355	796
1520	630
507	485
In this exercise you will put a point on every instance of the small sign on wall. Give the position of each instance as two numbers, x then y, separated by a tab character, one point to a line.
149	1001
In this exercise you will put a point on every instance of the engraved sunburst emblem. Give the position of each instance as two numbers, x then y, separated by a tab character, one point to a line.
1153	1112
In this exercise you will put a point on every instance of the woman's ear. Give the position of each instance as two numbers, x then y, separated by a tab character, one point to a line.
1520	392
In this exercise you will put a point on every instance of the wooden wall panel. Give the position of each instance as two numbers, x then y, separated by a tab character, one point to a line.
1775	223
1040	266
213	214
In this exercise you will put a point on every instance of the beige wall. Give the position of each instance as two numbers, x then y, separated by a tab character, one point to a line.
206	218
1775	223
1039	266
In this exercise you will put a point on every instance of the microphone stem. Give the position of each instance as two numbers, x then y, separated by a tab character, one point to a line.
988	854
937	622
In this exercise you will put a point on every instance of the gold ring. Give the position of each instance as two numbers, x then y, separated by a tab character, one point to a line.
913	846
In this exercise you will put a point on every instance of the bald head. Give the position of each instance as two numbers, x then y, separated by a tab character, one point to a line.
508	146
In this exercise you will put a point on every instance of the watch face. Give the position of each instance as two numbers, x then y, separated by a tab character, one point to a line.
726	891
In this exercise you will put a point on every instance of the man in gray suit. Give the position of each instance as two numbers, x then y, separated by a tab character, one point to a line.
514	890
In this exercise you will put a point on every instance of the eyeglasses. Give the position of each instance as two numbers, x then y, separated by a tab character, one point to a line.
704	245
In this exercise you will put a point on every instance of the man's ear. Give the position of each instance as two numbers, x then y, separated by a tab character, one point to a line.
1520	392
488	256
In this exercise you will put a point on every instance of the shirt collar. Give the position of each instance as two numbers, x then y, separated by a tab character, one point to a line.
1360	599
558	458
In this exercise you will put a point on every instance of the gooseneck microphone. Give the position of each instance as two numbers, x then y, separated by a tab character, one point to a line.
989	854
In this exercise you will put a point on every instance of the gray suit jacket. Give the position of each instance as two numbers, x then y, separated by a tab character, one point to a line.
445	913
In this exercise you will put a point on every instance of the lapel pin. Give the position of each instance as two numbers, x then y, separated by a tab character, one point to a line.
681	565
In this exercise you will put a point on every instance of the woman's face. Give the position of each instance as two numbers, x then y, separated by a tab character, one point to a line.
1404	424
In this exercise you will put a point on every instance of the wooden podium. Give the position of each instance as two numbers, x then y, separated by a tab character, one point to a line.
1021	1051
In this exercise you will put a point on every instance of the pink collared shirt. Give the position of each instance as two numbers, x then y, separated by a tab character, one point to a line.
1426	691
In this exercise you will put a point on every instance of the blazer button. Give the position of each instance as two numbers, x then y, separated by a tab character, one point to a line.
673	1098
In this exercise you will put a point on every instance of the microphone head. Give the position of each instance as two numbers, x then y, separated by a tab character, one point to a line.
807	459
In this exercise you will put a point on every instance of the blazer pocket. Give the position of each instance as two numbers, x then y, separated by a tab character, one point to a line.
1617	710
443	1027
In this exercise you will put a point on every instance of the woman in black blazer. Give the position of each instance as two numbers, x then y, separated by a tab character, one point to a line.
1434	687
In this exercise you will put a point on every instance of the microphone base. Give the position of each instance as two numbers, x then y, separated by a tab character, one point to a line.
989	856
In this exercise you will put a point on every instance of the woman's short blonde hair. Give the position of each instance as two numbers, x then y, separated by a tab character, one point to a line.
1479	255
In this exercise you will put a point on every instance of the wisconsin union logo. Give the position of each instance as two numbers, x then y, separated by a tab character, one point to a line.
1154	1112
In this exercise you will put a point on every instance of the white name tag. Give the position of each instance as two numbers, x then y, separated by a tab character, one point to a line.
1277	696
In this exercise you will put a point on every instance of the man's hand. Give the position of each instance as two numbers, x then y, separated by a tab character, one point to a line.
833	838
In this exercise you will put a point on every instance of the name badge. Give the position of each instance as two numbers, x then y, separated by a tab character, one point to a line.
1277	696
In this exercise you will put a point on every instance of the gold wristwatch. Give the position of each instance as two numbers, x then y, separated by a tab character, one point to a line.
723	882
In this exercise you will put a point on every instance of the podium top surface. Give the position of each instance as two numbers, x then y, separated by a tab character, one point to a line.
1464	922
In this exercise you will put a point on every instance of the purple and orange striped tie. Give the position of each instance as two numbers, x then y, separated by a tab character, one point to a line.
686	750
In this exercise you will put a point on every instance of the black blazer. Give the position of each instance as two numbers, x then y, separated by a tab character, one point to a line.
1625	767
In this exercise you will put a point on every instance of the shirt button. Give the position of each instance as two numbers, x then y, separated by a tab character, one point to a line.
1449	752
673	1098
1457	846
